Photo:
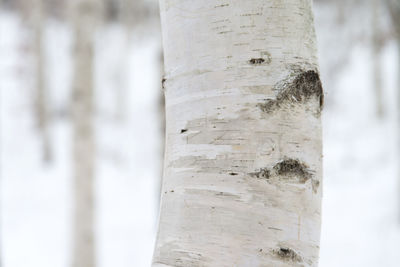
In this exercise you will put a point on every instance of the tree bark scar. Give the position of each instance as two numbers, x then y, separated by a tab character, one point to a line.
263	173
287	254
305	86
264	59
288	170
222	5
290	167
163	83
256	61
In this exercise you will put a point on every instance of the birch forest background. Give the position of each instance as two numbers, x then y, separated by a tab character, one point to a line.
54	131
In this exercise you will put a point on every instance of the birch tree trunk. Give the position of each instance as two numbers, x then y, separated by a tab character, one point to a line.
243	162
85	15
41	94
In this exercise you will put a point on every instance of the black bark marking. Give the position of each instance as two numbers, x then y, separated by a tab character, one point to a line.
288	170
233	173
265	58
223	5
263	173
276	229
225	32
305	86
184	131
251	14
288	254
256	61
163	83
293	167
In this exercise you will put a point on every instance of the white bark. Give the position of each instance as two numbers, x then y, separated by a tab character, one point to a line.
161	112
243	161
85	16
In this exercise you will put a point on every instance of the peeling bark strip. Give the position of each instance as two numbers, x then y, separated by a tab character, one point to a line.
304	87
241	195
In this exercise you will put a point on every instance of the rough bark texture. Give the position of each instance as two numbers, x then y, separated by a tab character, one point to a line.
243	161
85	14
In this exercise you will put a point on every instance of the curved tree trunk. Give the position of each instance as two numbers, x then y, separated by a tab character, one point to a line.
243	162
85	14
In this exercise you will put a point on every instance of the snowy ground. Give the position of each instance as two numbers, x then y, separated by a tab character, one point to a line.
361	211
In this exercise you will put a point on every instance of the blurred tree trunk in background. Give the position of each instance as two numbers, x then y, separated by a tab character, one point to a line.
41	93
85	16
394	10
131	14
125	16
243	166
376	60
